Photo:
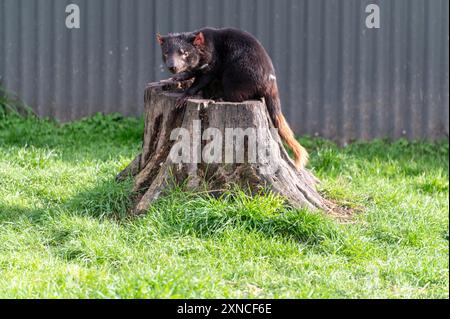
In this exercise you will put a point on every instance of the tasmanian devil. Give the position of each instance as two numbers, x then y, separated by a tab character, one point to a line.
237	60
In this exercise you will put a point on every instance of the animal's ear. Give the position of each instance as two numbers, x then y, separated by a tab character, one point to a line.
160	38
199	39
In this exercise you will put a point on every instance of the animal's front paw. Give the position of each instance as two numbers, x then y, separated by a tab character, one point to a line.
181	102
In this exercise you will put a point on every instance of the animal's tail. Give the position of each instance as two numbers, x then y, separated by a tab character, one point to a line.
274	107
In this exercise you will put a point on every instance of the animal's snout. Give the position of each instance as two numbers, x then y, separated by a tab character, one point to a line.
175	65
172	65
172	69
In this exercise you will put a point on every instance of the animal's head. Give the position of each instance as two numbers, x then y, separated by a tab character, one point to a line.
180	52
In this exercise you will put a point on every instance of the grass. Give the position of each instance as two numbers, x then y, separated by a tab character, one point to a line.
10	103
64	231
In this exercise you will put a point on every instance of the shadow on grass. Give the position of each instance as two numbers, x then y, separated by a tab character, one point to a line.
180	213
201	215
108	199
174	215
12	214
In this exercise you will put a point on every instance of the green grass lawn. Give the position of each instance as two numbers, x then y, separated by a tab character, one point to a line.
64	232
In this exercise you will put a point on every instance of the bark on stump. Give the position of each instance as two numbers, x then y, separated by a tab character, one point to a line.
154	170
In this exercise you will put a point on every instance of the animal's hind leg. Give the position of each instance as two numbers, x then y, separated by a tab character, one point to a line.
237	89
236	93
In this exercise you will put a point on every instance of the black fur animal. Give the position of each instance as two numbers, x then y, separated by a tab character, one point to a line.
238	61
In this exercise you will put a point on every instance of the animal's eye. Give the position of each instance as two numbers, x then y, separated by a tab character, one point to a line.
184	53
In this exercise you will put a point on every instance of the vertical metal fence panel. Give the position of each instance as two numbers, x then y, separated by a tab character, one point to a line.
337	78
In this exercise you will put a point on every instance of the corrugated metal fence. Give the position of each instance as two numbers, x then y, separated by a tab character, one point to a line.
337	78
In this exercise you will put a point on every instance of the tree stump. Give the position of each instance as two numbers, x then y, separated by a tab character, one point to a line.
156	167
